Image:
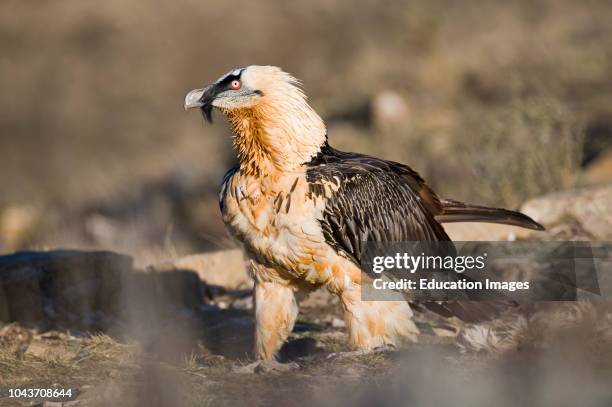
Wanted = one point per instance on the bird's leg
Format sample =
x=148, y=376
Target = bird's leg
x=275, y=312
x=373, y=324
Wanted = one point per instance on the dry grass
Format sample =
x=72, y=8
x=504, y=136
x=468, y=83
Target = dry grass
x=537, y=356
x=531, y=148
x=61, y=358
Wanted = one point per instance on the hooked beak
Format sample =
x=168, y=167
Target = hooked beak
x=201, y=98
x=194, y=98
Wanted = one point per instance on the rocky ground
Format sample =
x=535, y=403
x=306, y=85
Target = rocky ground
x=179, y=333
x=170, y=337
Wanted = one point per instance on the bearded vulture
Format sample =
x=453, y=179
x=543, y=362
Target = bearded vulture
x=303, y=210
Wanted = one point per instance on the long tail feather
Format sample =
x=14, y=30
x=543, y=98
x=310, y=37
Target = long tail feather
x=455, y=211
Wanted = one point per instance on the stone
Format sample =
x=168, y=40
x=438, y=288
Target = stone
x=225, y=268
x=266, y=366
x=591, y=207
x=5, y=314
x=42, y=287
x=480, y=231
x=45, y=349
x=88, y=290
x=22, y=295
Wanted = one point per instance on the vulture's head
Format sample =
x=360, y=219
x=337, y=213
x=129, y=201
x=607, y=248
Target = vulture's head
x=244, y=88
x=269, y=115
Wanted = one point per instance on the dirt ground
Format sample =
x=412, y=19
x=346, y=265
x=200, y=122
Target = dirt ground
x=119, y=336
x=316, y=362
x=317, y=367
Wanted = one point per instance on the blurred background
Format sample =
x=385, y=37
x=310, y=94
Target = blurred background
x=492, y=102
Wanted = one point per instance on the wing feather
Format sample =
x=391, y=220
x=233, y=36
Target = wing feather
x=374, y=200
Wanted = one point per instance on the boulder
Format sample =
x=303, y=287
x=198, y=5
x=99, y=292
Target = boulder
x=225, y=268
x=88, y=290
x=40, y=288
x=591, y=207
x=486, y=232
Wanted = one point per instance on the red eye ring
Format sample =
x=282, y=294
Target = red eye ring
x=235, y=84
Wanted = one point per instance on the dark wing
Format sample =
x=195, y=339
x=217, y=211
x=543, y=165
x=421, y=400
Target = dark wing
x=375, y=200
x=383, y=201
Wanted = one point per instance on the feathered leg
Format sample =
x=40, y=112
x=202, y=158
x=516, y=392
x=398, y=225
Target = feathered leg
x=372, y=324
x=275, y=312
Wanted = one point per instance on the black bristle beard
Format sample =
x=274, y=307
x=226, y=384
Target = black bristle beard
x=207, y=112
